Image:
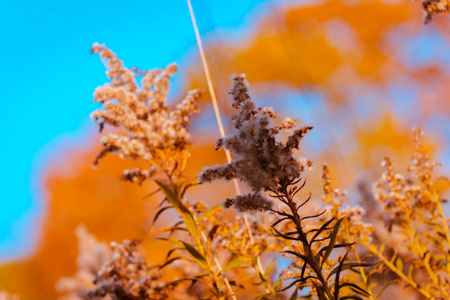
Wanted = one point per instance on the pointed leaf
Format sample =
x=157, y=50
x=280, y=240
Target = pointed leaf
x=270, y=268
x=169, y=262
x=196, y=254
x=354, y=297
x=210, y=212
x=177, y=242
x=399, y=264
x=188, y=217
x=235, y=262
x=321, y=229
x=332, y=241
x=385, y=287
x=356, y=288
x=347, y=266
x=165, y=229
x=172, y=251
x=294, y=295
x=158, y=214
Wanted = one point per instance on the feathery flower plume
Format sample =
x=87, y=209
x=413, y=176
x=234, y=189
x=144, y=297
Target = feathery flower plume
x=249, y=203
x=127, y=277
x=151, y=131
x=434, y=7
x=260, y=160
x=92, y=255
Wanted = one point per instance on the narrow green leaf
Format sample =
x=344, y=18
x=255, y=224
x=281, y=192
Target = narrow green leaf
x=294, y=295
x=347, y=266
x=368, y=280
x=235, y=262
x=399, y=264
x=352, y=297
x=262, y=277
x=278, y=284
x=270, y=268
x=174, y=249
x=188, y=217
x=332, y=241
x=320, y=292
x=211, y=234
x=157, y=215
x=177, y=242
x=385, y=287
x=321, y=229
x=356, y=288
x=169, y=262
x=210, y=212
x=170, y=229
x=197, y=255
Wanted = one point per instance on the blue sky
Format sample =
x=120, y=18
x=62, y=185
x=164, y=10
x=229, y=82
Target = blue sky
x=48, y=77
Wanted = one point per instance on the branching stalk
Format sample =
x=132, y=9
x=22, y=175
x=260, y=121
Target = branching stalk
x=221, y=128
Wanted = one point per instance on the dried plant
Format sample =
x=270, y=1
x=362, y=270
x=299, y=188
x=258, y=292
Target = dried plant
x=92, y=256
x=415, y=216
x=152, y=132
x=434, y=7
x=268, y=164
x=127, y=277
x=329, y=246
x=260, y=160
x=160, y=138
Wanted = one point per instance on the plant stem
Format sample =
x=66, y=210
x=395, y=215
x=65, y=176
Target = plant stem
x=221, y=127
x=373, y=249
x=219, y=267
x=312, y=261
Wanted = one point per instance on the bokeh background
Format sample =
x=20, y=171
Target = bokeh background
x=363, y=72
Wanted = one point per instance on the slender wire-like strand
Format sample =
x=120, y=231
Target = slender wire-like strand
x=210, y=85
x=214, y=101
x=219, y=118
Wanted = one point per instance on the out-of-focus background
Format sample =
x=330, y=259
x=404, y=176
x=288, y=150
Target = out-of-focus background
x=363, y=72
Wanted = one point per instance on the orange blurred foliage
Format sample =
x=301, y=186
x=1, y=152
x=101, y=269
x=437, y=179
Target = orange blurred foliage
x=339, y=48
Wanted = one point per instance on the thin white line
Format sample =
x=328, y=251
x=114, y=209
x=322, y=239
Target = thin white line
x=219, y=122
x=211, y=89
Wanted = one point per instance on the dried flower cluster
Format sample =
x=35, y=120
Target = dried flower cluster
x=353, y=228
x=234, y=238
x=434, y=7
x=127, y=277
x=260, y=160
x=92, y=255
x=414, y=216
x=152, y=132
x=249, y=203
